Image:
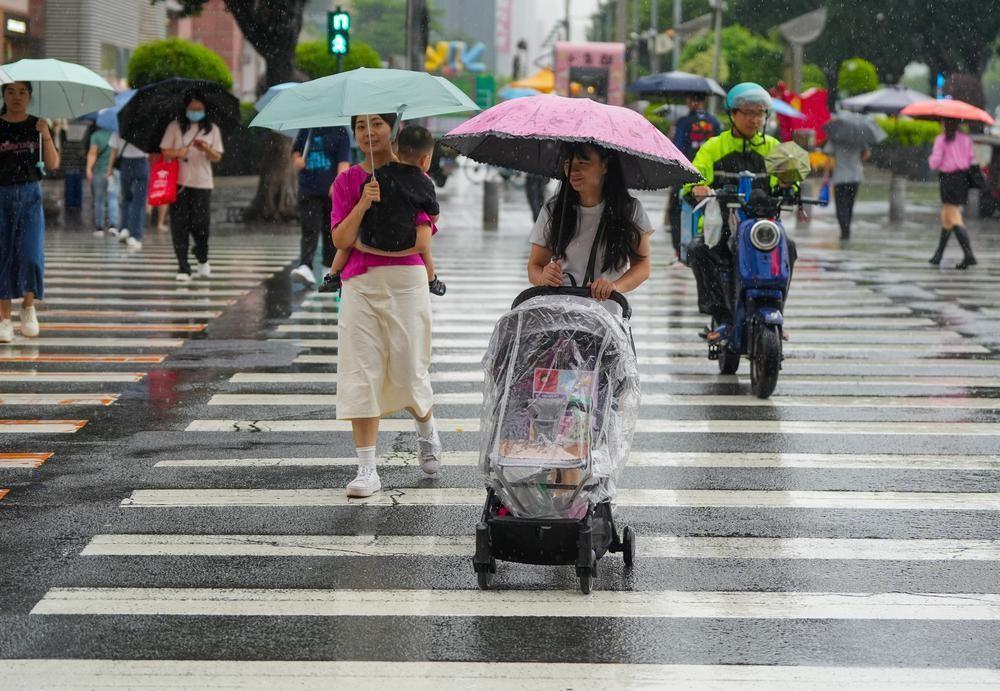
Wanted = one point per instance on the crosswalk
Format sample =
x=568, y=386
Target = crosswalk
x=846, y=531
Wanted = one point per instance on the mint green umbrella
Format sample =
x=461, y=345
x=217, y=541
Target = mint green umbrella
x=331, y=101
x=61, y=89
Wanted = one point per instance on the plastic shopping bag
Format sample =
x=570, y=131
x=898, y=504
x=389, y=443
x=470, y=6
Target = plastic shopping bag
x=163, y=182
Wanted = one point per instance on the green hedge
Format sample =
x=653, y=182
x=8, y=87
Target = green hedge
x=907, y=132
x=313, y=58
x=175, y=57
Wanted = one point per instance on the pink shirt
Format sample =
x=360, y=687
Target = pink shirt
x=346, y=193
x=952, y=156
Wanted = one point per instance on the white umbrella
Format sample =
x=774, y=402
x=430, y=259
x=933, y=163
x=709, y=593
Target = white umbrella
x=61, y=89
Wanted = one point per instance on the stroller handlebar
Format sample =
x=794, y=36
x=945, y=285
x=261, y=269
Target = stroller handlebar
x=574, y=291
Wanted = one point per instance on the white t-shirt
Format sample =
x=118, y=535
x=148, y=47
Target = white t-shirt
x=130, y=150
x=196, y=169
x=578, y=251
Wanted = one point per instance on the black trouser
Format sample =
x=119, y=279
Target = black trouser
x=844, y=195
x=674, y=217
x=314, y=219
x=191, y=215
x=708, y=264
x=534, y=189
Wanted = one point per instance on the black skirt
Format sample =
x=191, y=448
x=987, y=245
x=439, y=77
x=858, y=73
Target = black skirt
x=954, y=187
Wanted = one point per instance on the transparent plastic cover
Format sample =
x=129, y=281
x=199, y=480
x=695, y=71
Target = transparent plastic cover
x=560, y=403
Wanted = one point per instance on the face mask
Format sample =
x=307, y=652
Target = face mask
x=195, y=115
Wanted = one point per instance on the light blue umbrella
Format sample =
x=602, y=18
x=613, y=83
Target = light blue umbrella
x=107, y=118
x=509, y=92
x=269, y=96
x=782, y=108
x=61, y=89
x=331, y=101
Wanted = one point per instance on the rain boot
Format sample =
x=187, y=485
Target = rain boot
x=936, y=259
x=962, y=235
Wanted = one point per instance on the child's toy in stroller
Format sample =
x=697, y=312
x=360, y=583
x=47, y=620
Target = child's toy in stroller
x=559, y=409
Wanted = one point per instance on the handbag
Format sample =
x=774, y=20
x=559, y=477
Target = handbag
x=163, y=176
x=976, y=178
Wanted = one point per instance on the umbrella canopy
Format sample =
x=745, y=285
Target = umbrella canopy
x=677, y=83
x=889, y=100
x=530, y=134
x=5, y=78
x=61, y=89
x=144, y=119
x=853, y=130
x=509, y=92
x=788, y=162
x=269, y=96
x=782, y=108
x=940, y=109
x=332, y=100
x=107, y=118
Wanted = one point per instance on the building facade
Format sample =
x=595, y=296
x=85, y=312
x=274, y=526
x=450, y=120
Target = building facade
x=23, y=29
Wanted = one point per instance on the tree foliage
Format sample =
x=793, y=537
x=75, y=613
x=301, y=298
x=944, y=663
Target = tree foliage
x=175, y=57
x=813, y=76
x=856, y=76
x=750, y=57
x=313, y=58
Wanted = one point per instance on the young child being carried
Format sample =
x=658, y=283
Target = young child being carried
x=390, y=225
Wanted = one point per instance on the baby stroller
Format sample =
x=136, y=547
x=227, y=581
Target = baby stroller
x=560, y=405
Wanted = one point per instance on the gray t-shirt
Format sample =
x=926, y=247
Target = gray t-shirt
x=578, y=250
x=848, y=168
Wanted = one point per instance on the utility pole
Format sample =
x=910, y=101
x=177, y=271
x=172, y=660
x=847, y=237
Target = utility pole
x=416, y=32
x=717, y=6
x=621, y=20
x=567, y=20
x=634, y=40
x=654, y=30
x=677, y=35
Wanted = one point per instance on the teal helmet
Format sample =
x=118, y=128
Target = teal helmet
x=748, y=94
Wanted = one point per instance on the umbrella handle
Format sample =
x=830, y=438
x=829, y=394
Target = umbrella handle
x=305, y=149
x=41, y=160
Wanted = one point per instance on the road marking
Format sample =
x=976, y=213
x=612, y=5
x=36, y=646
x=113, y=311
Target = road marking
x=482, y=676
x=517, y=603
x=117, y=359
x=66, y=342
x=644, y=426
x=128, y=314
x=24, y=460
x=648, y=546
x=133, y=302
x=180, y=291
x=39, y=376
x=655, y=399
x=768, y=499
x=657, y=459
x=41, y=426
x=104, y=399
x=82, y=326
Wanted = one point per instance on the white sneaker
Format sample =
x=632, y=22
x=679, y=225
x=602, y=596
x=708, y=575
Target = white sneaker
x=113, y=232
x=183, y=278
x=29, y=322
x=429, y=453
x=6, y=331
x=304, y=274
x=133, y=244
x=366, y=483
x=99, y=233
x=205, y=270
x=123, y=235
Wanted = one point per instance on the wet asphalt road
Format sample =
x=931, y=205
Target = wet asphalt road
x=175, y=482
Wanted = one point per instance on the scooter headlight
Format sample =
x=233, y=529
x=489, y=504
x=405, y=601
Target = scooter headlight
x=765, y=235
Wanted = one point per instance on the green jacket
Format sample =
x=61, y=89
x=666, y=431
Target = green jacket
x=730, y=154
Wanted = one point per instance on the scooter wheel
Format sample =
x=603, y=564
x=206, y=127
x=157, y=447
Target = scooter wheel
x=628, y=547
x=766, y=362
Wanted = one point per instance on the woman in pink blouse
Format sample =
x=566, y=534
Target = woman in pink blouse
x=952, y=157
x=384, y=329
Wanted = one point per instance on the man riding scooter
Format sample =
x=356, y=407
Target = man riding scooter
x=720, y=160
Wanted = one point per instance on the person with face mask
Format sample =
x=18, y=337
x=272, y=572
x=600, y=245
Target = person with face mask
x=720, y=160
x=197, y=142
x=22, y=223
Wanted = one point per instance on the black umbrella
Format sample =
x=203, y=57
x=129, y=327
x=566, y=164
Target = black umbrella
x=853, y=130
x=676, y=83
x=145, y=117
x=889, y=100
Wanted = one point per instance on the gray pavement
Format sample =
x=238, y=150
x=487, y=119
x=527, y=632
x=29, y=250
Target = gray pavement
x=174, y=513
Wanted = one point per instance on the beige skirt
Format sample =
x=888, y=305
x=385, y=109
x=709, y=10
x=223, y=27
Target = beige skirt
x=384, y=343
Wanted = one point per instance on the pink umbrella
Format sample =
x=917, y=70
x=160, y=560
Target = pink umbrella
x=947, y=108
x=531, y=134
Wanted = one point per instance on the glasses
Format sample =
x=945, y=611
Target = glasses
x=753, y=114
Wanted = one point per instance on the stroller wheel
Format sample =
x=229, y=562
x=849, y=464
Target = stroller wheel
x=628, y=546
x=484, y=575
x=587, y=574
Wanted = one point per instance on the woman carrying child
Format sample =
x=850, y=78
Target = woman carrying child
x=593, y=222
x=384, y=330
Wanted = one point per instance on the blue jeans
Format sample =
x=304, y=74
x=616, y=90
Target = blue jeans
x=135, y=181
x=105, y=192
x=22, y=241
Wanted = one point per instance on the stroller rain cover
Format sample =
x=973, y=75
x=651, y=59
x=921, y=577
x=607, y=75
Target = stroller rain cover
x=560, y=403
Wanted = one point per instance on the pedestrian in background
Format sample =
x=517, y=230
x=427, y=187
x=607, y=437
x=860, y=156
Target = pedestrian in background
x=134, y=177
x=320, y=155
x=844, y=170
x=690, y=132
x=534, y=190
x=104, y=182
x=952, y=157
x=22, y=222
x=197, y=142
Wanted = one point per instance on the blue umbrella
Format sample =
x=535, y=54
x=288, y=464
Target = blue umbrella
x=509, y=92
x=782, y=108
x=269, y=96
x=107, y=118
x=678, y=83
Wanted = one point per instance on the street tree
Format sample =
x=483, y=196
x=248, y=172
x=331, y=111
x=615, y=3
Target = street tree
x=175, y=57
x=313, y=58
x=272, y=27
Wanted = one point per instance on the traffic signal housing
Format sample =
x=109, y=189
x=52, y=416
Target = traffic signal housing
x=338, y=32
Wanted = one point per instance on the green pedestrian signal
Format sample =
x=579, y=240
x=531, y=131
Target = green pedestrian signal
x=338, y=32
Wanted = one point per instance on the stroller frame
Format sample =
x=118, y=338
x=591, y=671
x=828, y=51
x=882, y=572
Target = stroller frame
x=551, y=541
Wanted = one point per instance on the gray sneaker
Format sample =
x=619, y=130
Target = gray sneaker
x=429, y=453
